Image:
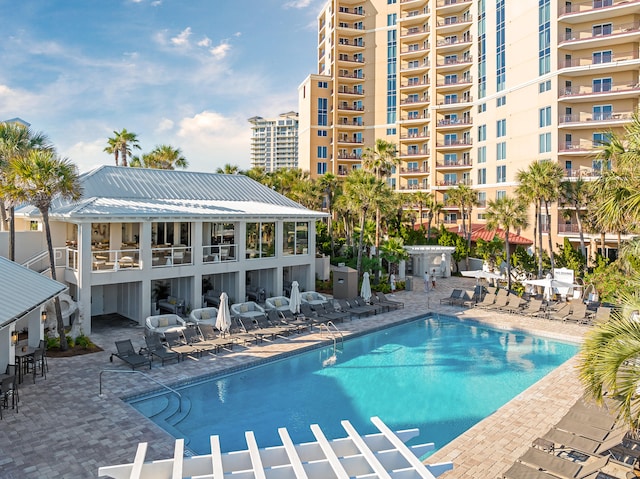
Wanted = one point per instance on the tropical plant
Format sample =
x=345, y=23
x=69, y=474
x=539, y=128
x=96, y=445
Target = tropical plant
x=16, y=140
x=508, y=213
x=576, y=194
x=465, y=199
x=162, y=157
x=228, y=169
x=393, y=252
x=122, y=142
x=491, y=252
x=447, y=238
x=569, y=257
x=37, y=178
x=329, y=186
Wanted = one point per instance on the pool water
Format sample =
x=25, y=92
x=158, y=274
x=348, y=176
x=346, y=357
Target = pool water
x=438, y=374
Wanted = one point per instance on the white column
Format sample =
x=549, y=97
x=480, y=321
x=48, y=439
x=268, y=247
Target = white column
x=146, y=259
x=85, y=266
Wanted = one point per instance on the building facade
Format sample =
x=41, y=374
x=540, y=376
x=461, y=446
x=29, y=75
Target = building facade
x=274, y=142
x=471, y=91
x=137, y=231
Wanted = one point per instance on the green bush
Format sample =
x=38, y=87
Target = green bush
x=53, y=342
x=83, y=341
x=70, y=341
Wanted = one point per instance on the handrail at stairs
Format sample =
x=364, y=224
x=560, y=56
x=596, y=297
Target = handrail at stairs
x=146, y=376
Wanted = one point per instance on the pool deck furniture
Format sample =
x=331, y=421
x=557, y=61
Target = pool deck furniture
x=172, y=304
x=203, y=315
x=163, y=323
x=177, y=344
x=391, y=302
x=212, y=298
x=247, y=310
x=127, y=353
x=456, y=294
x=279, y=303
x=256, y=293
x=155, y=348
x=313, y=297
x=566, y=463
x=209, y=335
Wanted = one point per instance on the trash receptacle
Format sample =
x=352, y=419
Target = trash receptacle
x=408, y=284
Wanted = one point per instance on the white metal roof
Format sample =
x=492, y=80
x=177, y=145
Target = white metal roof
x=135, y=192
x=380, y=455
x=23, y=290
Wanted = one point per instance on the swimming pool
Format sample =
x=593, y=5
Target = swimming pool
x=440, y=374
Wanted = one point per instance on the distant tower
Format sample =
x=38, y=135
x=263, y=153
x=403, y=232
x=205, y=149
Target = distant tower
x=274, y=141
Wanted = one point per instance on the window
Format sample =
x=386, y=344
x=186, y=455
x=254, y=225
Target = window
x=501, y=101
x=501, y=128
x=605, y=56
x=603, y=29
x=450, y=218
x=545, y=117
x=544, y=86
x=482, y=107
x=602, y=112
x=322, y=152
x=260, y=240
x=451, y=99
x=501, y=194
x=413, y=184
x=482, y=132
x=451, y=179
x=501, y=151
x=295, y=238
x=601, y=84
x=451, y=139
x=322, y=84
x=322, y=132
x=544, y=143
x=391, y=131
x=599, y=139
x=391, y=2
x=482, y=199
x=322, y=168
x=450, y=79
x=450, y=159
x=482, y=176
x=482, y=154
x=501, y=174
x=322, y=112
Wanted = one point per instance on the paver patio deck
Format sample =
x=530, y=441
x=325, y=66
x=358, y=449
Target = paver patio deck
x=65, y=429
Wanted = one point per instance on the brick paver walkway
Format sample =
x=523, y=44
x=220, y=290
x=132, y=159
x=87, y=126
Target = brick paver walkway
x=65, y=429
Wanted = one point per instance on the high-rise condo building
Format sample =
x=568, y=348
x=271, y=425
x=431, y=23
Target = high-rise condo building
x=471, y=92
x=274, y=141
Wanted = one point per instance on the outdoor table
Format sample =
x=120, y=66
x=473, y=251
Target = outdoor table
x=22, y=358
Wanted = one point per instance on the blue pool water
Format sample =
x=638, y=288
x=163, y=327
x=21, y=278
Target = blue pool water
x=440, y=375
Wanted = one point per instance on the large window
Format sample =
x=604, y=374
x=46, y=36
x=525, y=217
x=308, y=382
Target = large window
x=544, y=143
x=295, y=238
x=545, y=117
x=322, y=112
x=501, y=128
x=501, y=174
x=260, y=240
x=501, y=151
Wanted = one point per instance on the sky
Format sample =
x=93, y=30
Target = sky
x=186, y=73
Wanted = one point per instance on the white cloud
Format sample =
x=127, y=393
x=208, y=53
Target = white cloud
x=220, y=51
x=205, y=42
x=88, y=155
x=164, y=125
x=297, y=4
x=210, y=139
x=182, y=39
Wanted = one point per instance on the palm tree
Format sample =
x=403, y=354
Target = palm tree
x=465, y=199
x=363, y=191
x=329, y=186
x=123, y=141
x=228, y=169
x=162, y=157
x=508, y=213
x=576, y=195
x=257, y=173
x=380, y=160
x=37, y=178
x=423, y=201
x=16, y=140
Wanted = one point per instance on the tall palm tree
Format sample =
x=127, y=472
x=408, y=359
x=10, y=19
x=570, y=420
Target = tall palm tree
x=465, y=199
x=123, y=141
x=37, y=178
x=228, y=169
x=508, y=213
x=162, y=157
x=380, y=160
x=363, y=191
x=16, y=140
x=329, y=185
x=576, y=194
x=423, y=201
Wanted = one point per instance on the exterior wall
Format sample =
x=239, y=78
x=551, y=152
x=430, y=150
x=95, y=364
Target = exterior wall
x=591, y=86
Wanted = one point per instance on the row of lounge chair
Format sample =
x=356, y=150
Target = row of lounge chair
x=588, y=442
x=572, y=312
x=201, y=338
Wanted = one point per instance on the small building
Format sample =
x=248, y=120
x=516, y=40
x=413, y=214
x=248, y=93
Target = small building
x=137, y=231
x=25, y=293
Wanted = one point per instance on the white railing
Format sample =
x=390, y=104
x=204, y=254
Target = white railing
x=219, y=253
x=115, y=260
x=171, y=256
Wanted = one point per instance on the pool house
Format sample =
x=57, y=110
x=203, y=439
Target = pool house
x=139, y=235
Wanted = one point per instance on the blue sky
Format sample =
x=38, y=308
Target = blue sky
x=184, y=73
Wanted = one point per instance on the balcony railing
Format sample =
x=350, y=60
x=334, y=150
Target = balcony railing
x=417, y=170
x=458, y=121
x=446, y=3
x=350, y=108
x=584, y=172
x=115, y=260
x=592, y=5
x=351, y=11
x=350, y=91
x=350, y=43
x=357, y=76
x=455, y=61
x=416, y=136
x=219, y=253
x=352, y=156
x=454, y=164
x=568, y=228
x=599, y=117
x=461, y=181
x=606, y=89
x=171, y=256
x=454, y=20
x=411, y=101
x=454, y=82
x=447, y=143
x=589, y=34
x=415, y=187
x=600, y=59
x=455, y=40
x=353, y=59
x=577, y=146
x=415, y=152
x=414, y=31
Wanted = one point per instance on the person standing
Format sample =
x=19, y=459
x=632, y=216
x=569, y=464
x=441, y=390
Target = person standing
x=392, y=282
x=426, y=281
x=433, y=279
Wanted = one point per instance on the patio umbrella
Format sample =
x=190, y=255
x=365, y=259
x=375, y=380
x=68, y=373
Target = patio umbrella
x=550, y=284
x=479, y=274
x=223, y=321
x=365, y=290
x=295, y=299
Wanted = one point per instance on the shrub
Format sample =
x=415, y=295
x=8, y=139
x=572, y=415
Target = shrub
x=83, y=341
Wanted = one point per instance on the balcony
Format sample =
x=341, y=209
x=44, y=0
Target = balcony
x=604, y=62
x=412, y=85
x=415, y=101
x=350, y=26
x=220, y=253
x=411, y=52
x=580, y=147
x=350, y=108
x=343, y=90
x=454, y=63
x=351, y=11
x=347, y=156
x=415, y=136
x=355, y=123
x=350, y=43
x=414, y=153
x=567, y=228
x=446, y=6
x=588, y=93
x=415, y=186
x=449, y=183
x=582, y=172
x=415, y=67
x=454, y=165
x=455, y=82
x=458, y=122
x=464, y=143
x=454, y=23
x=351, y=75
x=414, y=16
x=343, y=58
x=415, y=33
x=456, y=102
x=604, y=36
x=415, y=118
x=591, y=10
x=594, y=120
x=457, y=43
x=171, y=256
x=354, y=141
x=414, y=171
